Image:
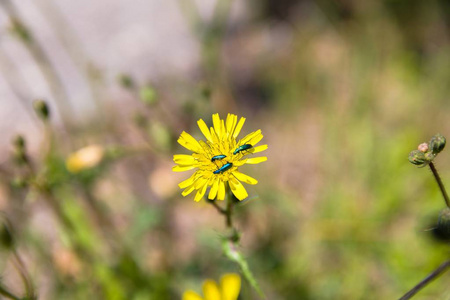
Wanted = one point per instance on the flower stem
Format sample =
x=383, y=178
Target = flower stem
x=219, y=209
x=441, y=185
x=20, y=266
x=436, y=273
x=7, y=294
x=229, y=209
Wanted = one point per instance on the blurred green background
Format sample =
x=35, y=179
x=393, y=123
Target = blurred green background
x=342, y=90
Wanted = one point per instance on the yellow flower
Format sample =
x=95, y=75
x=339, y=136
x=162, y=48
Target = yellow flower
x=85, y=158
x=230, y=285
x=218, y=158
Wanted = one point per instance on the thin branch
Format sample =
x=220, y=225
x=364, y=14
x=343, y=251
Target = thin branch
x=435, y=274
x=23, y=272
x=441, y=185
x=7, y=294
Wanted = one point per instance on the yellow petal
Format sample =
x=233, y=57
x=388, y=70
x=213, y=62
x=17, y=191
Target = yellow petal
x=187, y=141
x=245, y=178
x=221, y=191
x=200, y=182
x=191, y=295
x=183, y=159
x=255, y=140
x=249, y=137
x=201, y=193
x=238, y=128
x=211, y=290
x=240, y=162
x=256, y=160
x=259, y=148
x=188, y=190
x=187, y=182
x=230, y=286
x=206, y=148
x=204, y=129
x=214, y=189
x=231, y=123
x=216, y=124
x=237, y=188
x=214, y=135
x=182, y=168
x=222, y=129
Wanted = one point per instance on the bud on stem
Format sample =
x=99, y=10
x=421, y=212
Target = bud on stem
x=41, y=109
x=437, y=143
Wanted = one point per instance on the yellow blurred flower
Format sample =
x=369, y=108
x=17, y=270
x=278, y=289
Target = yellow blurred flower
x=230, y=285
x=85, y=158
x=218, y=158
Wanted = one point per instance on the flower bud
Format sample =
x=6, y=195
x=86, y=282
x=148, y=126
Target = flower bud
x=148, y=95
x=442, y=231
x=19, y=150
x=206, y=92
x=161, y=135
x=437, y=143
x=6, y=237
x=19, y=142
x=41, y=109
x=17, y=27
x=18, y=182
x=126, y=81
x=429, y=156
x=418, y=158
x=140, y=120
x=423, y=147
x=85, y=158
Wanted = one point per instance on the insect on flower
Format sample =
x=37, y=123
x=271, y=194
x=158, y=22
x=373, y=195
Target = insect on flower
x=207, y=157
x=223, y=168
x=242, y=148
x=218, y=157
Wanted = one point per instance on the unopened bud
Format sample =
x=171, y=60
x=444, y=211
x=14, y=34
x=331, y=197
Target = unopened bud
x=41, y=109
x=161, y=135
x=140, y=120
x=423, y=147
x=126, y=81
x=442, y=231
x=147, y=95
x=437, y=143
x=19, y=182
x=19, y=150
x=206, y=92
x=418, y=158
x=429, y=156
x=20, y=30
x=6, y=237
x=19, y=142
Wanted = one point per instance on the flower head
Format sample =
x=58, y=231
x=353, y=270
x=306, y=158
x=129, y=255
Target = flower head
x=85, y=158
x=230, y=285
x=218, y=158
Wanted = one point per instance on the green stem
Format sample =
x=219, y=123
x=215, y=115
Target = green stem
x=441, y=185
x=436, y=273
x=20, y=266
x=219, y=209
x=7, y=294
x=229, y=209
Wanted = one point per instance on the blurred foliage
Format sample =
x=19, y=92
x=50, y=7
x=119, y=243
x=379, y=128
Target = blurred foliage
x=342, y=90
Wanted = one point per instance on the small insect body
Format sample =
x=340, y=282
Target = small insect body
x=224, y=168
x=218, y=157
x=242, y=148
